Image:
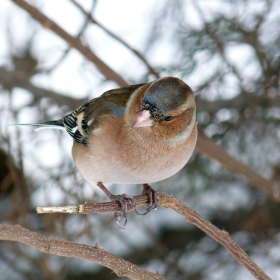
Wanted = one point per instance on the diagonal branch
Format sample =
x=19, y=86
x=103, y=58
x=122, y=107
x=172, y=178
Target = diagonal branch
x=169, y=201
x=117, y=38
x=73, y=42
x=80, y=33
x=211, y=149
x=65, y=248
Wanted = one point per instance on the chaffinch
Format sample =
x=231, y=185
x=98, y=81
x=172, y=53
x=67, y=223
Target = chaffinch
x=142, y=133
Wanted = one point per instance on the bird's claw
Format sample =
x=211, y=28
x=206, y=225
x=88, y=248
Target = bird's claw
x=117, y=219
x=153, y=199
x=127, y=203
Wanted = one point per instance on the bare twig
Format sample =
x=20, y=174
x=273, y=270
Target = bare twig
x=91, y=207
x=169, y=201
x=73, y=42
x=117, y=38
x=65, y=248
x=66, y=52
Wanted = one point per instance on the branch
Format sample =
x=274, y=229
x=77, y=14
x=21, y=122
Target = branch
x=211, y=149
x=80, y=33
x=11, y=79
x=65, y=248
x=169, y=201
x=72, y=41
x=117, y=38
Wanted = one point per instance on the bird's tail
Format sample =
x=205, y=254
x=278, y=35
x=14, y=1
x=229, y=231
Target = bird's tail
x=58, y=124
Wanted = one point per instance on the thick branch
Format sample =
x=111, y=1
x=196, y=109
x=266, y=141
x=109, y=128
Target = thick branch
x=209, y=148
x=73, y=250
x=73, y=42
x=169, y=201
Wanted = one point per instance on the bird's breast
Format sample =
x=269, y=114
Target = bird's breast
x=118, y=154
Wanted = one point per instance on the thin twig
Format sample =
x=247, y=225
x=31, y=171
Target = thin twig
x=169, y=201
x=78, y=36
x=117, y=38
x=72, y=41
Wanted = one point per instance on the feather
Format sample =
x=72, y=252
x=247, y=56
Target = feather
x=58, y=124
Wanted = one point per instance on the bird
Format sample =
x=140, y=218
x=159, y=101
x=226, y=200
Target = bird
x=138, y=134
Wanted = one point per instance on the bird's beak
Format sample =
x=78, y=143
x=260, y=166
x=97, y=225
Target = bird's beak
x=143, y=118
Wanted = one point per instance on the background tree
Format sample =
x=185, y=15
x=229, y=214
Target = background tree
x=227, y=51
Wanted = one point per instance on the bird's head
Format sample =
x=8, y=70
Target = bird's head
x=165, y=107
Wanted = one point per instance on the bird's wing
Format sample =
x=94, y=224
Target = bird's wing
x=87, y=117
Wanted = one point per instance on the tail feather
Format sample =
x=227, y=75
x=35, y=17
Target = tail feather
x=58, y=124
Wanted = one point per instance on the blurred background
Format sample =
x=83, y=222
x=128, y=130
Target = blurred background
x=227, y=51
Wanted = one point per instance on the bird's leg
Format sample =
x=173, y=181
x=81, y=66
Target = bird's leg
x=153, y=199
x=127, y=203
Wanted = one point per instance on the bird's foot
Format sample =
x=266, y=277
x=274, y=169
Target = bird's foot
x=127, y=203
x=153, y=199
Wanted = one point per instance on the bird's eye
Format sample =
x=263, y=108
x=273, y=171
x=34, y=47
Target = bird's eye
x=169, y=118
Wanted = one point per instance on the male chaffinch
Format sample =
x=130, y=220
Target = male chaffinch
x=137, y=134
